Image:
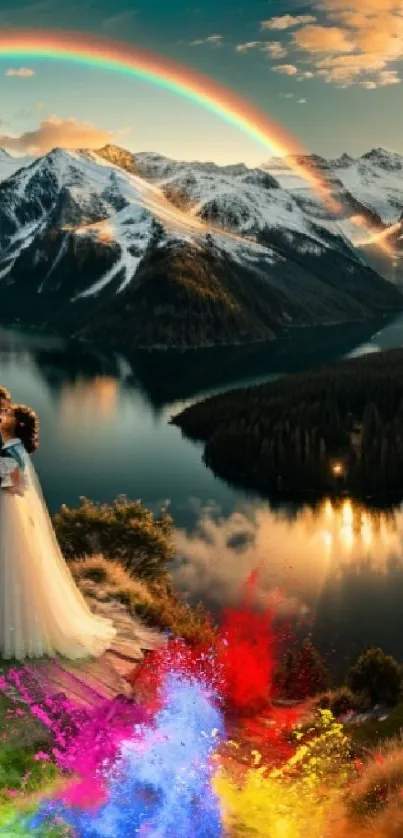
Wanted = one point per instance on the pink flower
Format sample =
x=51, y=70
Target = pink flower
x=42, y=756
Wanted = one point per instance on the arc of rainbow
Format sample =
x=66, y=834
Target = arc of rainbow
x=381, y=238
x=117, y=56
x=86, y=49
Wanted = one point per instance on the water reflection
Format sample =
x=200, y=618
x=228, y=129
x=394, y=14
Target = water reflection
x=338, y=565
x=104, y=432
x=91, y=401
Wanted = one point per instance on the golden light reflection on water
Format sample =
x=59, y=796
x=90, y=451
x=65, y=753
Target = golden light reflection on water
x=86, y=400
x=353, y=527
x=297, y=556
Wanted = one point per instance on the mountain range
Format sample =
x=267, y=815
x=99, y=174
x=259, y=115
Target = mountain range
x=137, y=250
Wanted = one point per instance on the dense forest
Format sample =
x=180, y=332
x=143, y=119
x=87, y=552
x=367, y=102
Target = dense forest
x=339, y=427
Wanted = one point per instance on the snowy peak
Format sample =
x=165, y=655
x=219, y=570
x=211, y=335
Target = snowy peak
x=390, y=161
x=10, y=164
x=151, y=251
x=118, y=157
x=341, y=162
x=373, y=183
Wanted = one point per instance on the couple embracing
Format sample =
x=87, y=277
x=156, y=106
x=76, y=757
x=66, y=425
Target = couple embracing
x=42, y=612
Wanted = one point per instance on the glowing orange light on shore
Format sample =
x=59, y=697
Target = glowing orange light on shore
x=337, y=469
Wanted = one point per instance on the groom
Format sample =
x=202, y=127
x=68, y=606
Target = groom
x=5, y=404
x=5, y=399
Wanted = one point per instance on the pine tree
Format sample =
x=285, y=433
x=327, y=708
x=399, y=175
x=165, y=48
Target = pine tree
x=310, y=676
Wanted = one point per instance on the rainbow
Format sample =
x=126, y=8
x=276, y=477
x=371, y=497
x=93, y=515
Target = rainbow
x=85, y=49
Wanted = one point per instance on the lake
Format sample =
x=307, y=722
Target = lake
x=105, y=431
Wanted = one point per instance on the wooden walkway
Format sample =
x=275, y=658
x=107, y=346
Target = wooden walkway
x=90, y=683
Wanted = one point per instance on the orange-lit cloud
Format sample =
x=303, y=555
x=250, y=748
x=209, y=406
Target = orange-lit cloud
x=53, y=132
x=248, y=45
x=286, y=21
x=274, y=49
x=356, y=42
x=286, y=69
x=20, y=72
x=323, y=39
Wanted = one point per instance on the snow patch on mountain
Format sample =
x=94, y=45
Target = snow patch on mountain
x=9, y=164
x=375, y=179
x=128, y=204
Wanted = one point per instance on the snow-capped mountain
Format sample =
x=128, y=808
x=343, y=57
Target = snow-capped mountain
x=10, y=164
x=374, y=181
x=142, y=250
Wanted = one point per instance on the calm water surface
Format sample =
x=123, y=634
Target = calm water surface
x=105, y=431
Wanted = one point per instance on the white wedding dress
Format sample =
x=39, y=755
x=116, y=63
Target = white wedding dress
x=42, y=612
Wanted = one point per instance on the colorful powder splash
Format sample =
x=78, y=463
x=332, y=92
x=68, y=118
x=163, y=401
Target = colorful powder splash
x=170, y=766
x=160, y=783
x=239, y=666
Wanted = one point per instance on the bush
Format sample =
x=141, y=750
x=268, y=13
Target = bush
x=112, y=577
x=154, y=603
x=379, y=787
x=192, y=624
x=377, y=675
x=372, y=805
x=343, y=700
x=303, y=673
x=123, y=531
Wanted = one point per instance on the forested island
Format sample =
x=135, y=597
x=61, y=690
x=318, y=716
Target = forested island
x=337, y=428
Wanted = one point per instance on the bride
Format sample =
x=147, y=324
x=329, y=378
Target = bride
x=42, y=612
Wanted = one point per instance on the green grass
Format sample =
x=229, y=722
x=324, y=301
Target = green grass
x=21, y=738
x=371, y=732
x=152, y=602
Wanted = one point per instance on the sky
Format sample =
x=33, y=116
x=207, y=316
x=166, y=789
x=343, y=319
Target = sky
x=328, y=71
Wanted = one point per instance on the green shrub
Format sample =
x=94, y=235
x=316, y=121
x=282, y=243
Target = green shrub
x=302, y=673
x=377, y=675
x=342, y=700
x=153, y=602
x=123, y=531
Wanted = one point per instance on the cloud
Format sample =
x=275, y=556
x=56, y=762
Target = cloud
x=357, y=42
x=286, y=69
x=306, y=76
x=388, y=77
x=322, y=40
x=302, y=557
x=286, y=21
x=274, y=49
x=21, y=72
x=53, y=132
x=247, y=46
x=214, y=40
x=301, y=102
